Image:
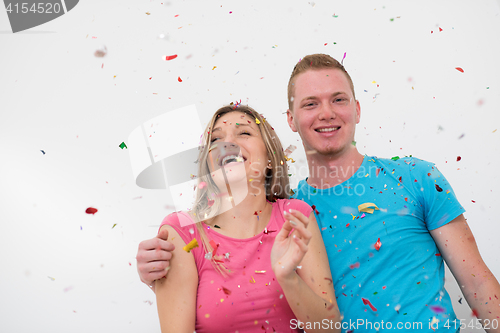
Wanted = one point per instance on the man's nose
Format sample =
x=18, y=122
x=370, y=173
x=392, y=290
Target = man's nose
x=327, y=111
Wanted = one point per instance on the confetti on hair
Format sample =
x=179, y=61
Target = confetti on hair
x=439, y=189
x=191, y=245
x=367, y=302
x=91, y=210
x=459, y=69
x=123, y=145
x=257, y=121
x=171, y=57
x=202, y=185
x=210, y=202
x=215, y=246
x=366, y=207
x=378, y=244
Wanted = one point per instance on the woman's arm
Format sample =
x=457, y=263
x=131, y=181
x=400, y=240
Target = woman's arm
x=176, y=294
x=301, y=266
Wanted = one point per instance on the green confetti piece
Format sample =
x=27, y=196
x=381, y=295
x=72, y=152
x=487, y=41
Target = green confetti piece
x=375, y=293
x=123, y=145
x=114, y=225
x=335, y=15
x=395, y=158
x=353, y=143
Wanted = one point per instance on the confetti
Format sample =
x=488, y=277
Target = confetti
x=179, y=79
x=148, y=13
x=53, y=279
x=172, y=57
x=123, y=145
x=252, y=280
x=365, y=208
x=202, y=185
x=437, y=309
x=114, y=225
x=395, y=158
x=439, y=189
x=210, y=202
x=459, y=158
x=215, y=246
x=475, y=313
x=191, y=245
x=257, y=121
x=91, y=210
x=459, y=69
x=342, y=62
x=226, y=291
x=367, y=302
x=101, y=52
x=378, y=244
x=290, y=149
x=42, y=152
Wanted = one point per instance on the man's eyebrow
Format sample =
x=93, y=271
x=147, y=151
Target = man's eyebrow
x=335, y=94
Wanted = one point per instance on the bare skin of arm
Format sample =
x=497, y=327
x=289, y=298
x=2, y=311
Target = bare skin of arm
x=176, y=295
x=308, y=289
x=480, y=288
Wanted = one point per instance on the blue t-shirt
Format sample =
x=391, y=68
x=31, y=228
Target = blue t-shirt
x=385, y=264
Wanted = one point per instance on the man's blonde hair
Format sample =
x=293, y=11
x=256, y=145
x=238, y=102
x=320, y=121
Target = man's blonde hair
x=314, y=62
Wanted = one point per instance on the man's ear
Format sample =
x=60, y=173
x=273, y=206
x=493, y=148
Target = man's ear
x=289, y=118
x=358, y=112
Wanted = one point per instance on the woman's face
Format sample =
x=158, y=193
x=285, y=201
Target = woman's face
x=237, y=150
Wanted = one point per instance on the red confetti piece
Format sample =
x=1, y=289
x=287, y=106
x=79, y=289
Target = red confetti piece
x=172, y=57
x=459, y=69
x=473, y=201
x=459, y=158
x=226, y=291
x=315, y=210
x=347, y=225
x=439, y=189
x=400, y=179
x=202, y=185
x=475, y=313
x=210, y=202
x=377, y=172
x=438, y=254
x=215, y=246
x=440, y=29
x=378, y=244
x=179, y=79
x=91, y=210
x=255, y=213
x=353, y=266
x=367, y=302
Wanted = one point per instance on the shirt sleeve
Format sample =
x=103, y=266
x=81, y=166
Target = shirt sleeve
x=176, y=221
x=299, y=205
x=435, y=194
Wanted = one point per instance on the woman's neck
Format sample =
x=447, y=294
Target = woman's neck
x=243, y=218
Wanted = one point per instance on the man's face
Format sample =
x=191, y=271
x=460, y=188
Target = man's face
x=324, y=113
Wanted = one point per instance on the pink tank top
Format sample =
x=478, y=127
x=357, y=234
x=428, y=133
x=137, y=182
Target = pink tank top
x=249, y=299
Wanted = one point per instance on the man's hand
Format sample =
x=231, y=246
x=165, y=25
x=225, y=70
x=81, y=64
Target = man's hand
x=153, y=258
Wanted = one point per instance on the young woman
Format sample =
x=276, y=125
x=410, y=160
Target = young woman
x=261, y=264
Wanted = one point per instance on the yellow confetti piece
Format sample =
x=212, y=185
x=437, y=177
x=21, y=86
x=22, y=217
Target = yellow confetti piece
x=192, y=244
x=207, y=315
x=252, y=280
x=148, y=13
x=214, y=67
x=365, y=208
x=288, y=159
x=260, y=272
x=353, y=217
x=250, y=180
x=257, y=121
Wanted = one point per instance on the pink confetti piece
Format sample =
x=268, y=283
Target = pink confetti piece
x=342, y=62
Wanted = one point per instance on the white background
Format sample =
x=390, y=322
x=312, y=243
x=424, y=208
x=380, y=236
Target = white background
x=63, y=270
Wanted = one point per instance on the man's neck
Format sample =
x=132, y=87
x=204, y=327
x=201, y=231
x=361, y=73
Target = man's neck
x=330, y=170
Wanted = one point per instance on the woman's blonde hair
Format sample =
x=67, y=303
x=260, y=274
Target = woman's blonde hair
x=208, y=202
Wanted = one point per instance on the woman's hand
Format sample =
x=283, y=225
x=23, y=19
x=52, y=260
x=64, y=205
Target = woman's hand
x=290, y=247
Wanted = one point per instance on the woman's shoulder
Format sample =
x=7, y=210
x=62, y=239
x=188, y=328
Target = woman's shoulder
x=295, y=204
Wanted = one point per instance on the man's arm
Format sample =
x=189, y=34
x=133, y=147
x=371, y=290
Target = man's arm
x=480, y=288
x=176, y=295
x=153, y=258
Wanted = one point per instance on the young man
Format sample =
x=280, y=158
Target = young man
x=387, y=224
